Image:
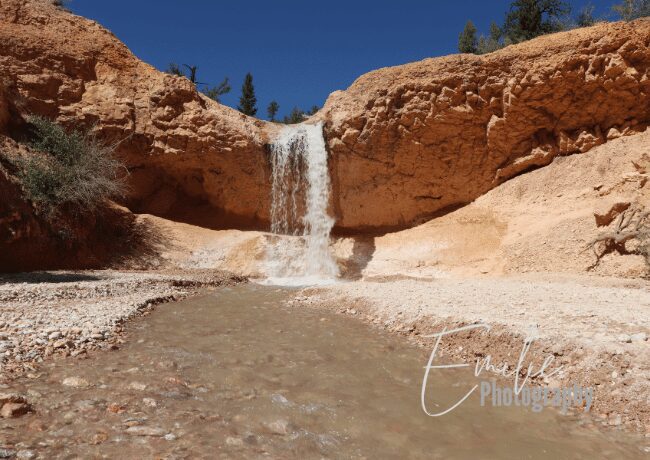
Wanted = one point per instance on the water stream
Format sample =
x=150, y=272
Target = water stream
x=299, y=208
x=236, y=373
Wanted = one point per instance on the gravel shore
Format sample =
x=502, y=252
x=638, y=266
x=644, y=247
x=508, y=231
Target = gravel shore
x=70, y=313
x=596, y=328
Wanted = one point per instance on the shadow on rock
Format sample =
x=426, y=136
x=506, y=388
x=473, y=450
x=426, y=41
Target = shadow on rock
x=363, y=249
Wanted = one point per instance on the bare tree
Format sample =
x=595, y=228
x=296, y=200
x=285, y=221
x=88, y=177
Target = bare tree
x=632, y=224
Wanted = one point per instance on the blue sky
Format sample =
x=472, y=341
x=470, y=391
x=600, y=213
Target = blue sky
x=298, y=51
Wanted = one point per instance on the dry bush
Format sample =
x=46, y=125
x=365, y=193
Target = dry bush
x=72, y=168
x=631, y=226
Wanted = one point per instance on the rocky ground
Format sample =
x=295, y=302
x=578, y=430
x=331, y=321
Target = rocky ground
x=596, y=328
x=71, y=313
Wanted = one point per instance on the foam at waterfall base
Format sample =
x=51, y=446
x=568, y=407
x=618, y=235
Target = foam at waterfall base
x=296, y=281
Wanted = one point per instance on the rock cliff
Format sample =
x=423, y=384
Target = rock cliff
x=419, y=139
x=406, y=142
x=181, y=148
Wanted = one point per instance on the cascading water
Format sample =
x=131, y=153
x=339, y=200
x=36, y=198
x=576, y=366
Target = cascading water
x=299, y=200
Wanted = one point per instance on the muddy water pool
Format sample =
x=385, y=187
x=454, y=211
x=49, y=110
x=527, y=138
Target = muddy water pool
x=235, y=373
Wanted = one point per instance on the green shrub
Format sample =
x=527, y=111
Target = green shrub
x=629, y=10
x=73, y=168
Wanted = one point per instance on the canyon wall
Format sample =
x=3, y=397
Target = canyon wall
x=182, y=149
x=412, y=141
x=406, y=142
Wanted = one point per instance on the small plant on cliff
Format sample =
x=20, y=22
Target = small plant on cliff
x=629, y=10
x=63, y=4
x=467, y=41
x=216, y=92
x=73, y=168
x=248, y=100
x=175, y=69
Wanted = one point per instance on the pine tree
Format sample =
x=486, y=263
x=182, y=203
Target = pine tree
x=586, y=16
x=528, y=19
x=632, y=9
x=295, y=116
x=491, y=43
x=467, y=42
x=248, y=100
x=495, y=32
x=272, y=110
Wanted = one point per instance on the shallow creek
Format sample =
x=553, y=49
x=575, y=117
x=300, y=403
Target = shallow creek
x=236, y=374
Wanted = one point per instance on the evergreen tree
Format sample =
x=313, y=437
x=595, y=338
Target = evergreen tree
x=528, y=19
x=296, y=116
x=632, y=9
x=585, y=17
x=216, y=92
x=495, y=32
x=491, y=43
x=467, y=42
x=248, y=100
x=272, y=110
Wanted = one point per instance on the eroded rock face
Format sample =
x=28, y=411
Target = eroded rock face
x=406, y=142
x=410, y=141
x=183, y=150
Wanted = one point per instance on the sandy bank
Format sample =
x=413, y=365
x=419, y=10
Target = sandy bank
x=596, y=328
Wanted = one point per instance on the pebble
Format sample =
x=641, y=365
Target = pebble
x=639, y=337
x=234, y=442
x=170, y=437
x=26, y=454
x=11, y=397
x=615, y=420
x=116, y=408
x=60, y=343
x=149, y=402
x=138, y=386
x=14, y=409
x=145, y=431
x=167, y=364
x=76, y=382
x=7, y=453
x=55, y=335
x=279, y=399
x=625, y=338
x=278, y=427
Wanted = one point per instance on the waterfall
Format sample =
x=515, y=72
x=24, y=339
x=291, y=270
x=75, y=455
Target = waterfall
x=299, y=200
